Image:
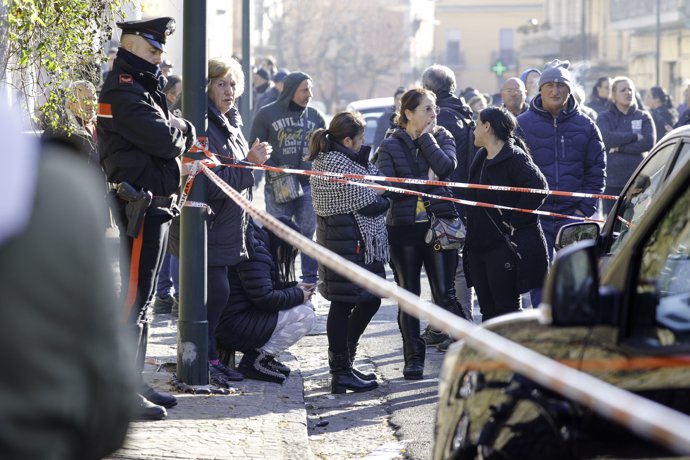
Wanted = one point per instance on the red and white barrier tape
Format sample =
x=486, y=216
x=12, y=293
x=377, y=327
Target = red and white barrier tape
x=644, y=417
x=402, y=180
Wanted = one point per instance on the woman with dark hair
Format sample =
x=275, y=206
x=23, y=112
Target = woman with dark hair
x=267, y=311
x=661, y=107
x=419, y=149
x=350, y=222
x=600, y=99
x=628, y=133
x=505, y=251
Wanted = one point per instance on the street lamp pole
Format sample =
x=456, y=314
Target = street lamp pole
x=658, y=42
x=192, y=327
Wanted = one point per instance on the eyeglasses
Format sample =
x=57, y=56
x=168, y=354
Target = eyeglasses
x=512, y=91
x=429, y=109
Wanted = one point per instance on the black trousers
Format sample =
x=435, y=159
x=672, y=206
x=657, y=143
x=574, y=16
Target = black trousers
x=440, y=268
x=494, y=277
x=140, y=262
x=346, y=323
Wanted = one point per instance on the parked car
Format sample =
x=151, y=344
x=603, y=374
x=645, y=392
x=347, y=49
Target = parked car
x=371, y=110
x=661, y=165
x=627, y=324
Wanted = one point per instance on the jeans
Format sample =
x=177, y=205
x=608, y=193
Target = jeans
x=169, y=277
x=301, y=211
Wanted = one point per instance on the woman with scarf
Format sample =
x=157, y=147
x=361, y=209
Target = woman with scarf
x=228, y=220
x=350, y=222
x=505, y=251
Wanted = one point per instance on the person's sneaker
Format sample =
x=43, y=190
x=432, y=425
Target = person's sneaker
x=163, y=304
x=156, y=397
x=217, y=378
x=432, y=337
x=146, y=410
x=277, y=365
x=230, y=374
x=254, y=365
x=175, y=309
x=443, y=346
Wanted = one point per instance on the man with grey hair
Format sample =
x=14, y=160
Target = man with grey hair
x=513, y=94
x=456, y=116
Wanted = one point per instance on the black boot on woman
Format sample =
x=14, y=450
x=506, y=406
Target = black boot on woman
x=342, y=377
x=368, y=376
x=414, y=348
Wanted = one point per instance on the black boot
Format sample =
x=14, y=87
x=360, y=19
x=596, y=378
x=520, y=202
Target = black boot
x=414, y=348
x=368, y=376
x=342, y=377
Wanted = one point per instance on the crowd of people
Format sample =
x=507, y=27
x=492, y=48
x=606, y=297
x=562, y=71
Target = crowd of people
x=540, y=133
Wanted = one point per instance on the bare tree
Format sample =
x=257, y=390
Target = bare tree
x=345, y=46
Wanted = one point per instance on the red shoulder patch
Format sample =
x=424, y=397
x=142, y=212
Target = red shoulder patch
x=126, y=79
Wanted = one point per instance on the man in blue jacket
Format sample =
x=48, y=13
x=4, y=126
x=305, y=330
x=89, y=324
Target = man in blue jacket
x=567, y=147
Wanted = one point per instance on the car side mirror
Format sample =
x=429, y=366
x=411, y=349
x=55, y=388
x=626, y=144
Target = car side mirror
x=571, y=291
x=578, y=231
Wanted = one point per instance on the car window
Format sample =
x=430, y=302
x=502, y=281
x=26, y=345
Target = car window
x=637, y=198
x=662, y=304
x=682, y=158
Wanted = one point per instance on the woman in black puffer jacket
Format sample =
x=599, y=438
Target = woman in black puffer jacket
x=505, y=251
x=350, y=222
x=267, y=311
x=419, y=149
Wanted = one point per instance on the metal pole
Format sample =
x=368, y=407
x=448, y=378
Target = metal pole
x=658, y=42
x=192, y=327
x=246, y=99
x=584, y=31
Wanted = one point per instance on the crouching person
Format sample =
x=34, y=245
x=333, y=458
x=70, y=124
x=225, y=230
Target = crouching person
x=267, y=311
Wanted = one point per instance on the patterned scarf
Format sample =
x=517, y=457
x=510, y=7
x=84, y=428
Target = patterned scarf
x=333, y=198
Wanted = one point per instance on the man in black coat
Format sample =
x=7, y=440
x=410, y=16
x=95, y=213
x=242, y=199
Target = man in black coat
x=140, y=143
x=456, y=117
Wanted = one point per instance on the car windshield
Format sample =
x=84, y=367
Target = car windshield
x=638, y=196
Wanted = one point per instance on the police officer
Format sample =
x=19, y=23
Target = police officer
x=140, y=143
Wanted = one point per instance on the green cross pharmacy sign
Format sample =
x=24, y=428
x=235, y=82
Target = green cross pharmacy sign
x=499, y=68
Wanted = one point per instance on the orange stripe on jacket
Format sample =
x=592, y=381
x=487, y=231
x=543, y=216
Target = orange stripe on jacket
x=105, y=110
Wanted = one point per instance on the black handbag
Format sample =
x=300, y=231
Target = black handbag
x=445, y=233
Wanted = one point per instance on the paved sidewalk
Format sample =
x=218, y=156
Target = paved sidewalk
x=260, y=420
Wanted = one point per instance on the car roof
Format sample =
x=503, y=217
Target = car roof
x=370, y=105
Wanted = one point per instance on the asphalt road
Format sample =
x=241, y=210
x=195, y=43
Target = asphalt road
x=394, y=421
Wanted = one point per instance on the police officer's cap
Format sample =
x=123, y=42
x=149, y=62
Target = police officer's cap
x=155, y=31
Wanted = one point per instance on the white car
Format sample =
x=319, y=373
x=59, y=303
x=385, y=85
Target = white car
x=371, y=110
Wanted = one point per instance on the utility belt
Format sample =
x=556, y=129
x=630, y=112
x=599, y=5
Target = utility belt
x=137, y=204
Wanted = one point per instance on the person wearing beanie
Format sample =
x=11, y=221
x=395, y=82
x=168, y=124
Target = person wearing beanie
x=530, y=78
x=261, y=86
x=274, y=90
x=287, y=125
x=567, y=147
